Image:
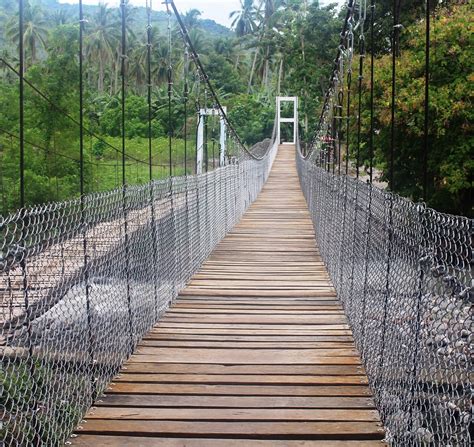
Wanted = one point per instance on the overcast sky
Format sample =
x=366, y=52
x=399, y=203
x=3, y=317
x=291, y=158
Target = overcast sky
x=217, y=10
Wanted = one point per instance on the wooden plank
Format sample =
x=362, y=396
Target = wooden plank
x=250, y=304
x=327, y=292
x=265, y=312
x=255, y=319
x=307, y=328
x=131, y=441
x=229, y=414
x=233, y=359
x=217, y=401
x=247, y=356
x=289, y=331
x=242, y=308
x=242, y=344
x=239, y=390
x=311, y=430
x=242, y=379
x=185, y=368
x=249, y=338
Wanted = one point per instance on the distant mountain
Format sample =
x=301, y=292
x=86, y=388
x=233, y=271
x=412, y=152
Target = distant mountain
x=215, y=28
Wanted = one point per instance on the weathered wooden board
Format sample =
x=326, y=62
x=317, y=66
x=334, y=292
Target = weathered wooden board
x=132, y=441
x=272, y=430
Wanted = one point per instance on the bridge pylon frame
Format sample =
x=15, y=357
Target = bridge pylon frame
x=200, y=136
x=291, y=120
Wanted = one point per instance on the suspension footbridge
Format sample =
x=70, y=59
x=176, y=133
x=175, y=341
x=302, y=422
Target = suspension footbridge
x=269, y=300
x=255, y=346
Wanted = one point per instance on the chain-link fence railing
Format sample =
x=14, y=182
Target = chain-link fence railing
x=404, y=275
x=82, y=281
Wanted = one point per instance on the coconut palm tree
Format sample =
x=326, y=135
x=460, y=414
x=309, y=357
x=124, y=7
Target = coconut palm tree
x=198, y=40
x=102, y=38
x=244, y=19
x=137, y=65
x=5, y=73
x=160, y=63
x=226, y=47
x=191, y=18
x=129, y=17
x=59, y=17
x=35, y=31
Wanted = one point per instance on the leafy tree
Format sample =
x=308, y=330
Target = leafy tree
x=102, y=37
x=308, y=46
x=252, y=117
x=136, y=118
x=59, y=17
x=244, y=19
x=191, y=18
x=34, y=30
x=450, y=164
x=224, y=75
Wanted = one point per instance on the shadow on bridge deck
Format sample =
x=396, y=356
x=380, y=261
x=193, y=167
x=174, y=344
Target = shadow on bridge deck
x=256, y=351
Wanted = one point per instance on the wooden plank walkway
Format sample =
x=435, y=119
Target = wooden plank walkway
x=256, y=351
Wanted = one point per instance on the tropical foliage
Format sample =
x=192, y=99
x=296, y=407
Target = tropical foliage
x=450, y=143
x=275, y=47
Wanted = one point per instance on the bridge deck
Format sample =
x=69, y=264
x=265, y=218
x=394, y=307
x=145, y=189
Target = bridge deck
x=256, y=351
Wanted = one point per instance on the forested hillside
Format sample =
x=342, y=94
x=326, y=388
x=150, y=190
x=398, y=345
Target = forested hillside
x=275, y=47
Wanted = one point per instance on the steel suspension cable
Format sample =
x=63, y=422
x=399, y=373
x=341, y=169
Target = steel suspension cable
x=170, y=94
x=23, y=266
x=185, y=105
x=390, y=230
x=149, y=6
x=149, y=86
x=339, y=118
x=395, y=36
x=359, y=104
x=123, y=57
x=197, y=106
x=81, y=98
x=350, y=53
x=371, y=134
x=348, y=122
x=90, y=336
x=21, y=80
x=327, y=97
x=426, y=101
x=206, y=129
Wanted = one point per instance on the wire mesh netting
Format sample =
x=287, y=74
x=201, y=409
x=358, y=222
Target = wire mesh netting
x=404, y=275
x=83, y=280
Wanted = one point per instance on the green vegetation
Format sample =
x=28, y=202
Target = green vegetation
x=450, y=162
x=276, y=47
x=48, y=422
